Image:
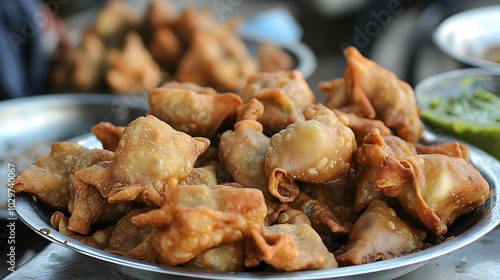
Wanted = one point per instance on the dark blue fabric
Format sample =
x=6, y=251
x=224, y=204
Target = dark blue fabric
x=23, y=65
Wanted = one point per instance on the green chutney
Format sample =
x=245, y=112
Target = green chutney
x=473, y=117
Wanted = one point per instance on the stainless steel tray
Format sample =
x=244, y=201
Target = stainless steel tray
x=30, y=125
x=33, y=120
x=466, y=230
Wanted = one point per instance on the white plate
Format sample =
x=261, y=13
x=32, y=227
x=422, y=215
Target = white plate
x=466, y=36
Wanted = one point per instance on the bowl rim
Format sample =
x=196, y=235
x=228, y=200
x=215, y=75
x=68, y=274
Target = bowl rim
x=421, y=87
x=438, y=35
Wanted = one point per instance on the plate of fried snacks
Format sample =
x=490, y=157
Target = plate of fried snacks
x=124, y=53
x=266, y=182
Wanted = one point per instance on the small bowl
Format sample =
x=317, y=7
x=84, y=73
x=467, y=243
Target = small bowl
x=467, y=36
x=432, y=93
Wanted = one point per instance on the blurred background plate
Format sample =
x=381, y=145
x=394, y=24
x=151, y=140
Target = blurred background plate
x=468, y=35
x=33, y=120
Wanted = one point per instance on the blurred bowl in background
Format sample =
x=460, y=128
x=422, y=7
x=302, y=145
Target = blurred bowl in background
x=471, y=37
x=32, y=120
x=464, y=103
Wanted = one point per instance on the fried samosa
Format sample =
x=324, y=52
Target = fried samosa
x=391, y=100
x=216, y=58
x=371, y=91
x=225, y=257
x=286, y=247
x=362, y=126
x=454, y=149
x=317, y=150
x=285, y=94
x=149, y=154
x=379, y=234
x=274, y=210
x=338, y=197
x=195, y=113
x=293, y=217
x=99, y=239
x=205, y=175
x=335, y=194
x=165, y=47
x=243, y=151
x=323, y=219
x=88, y=63
x=133, y=69
x=87, y=206
x=335, y=93
x=47, y=178
x=108, y=134
x=368, y=159
x=113, y=22
x=272, y=58
x=126, y=236
x=196, y=218
x=434, y=188
x=160, y=13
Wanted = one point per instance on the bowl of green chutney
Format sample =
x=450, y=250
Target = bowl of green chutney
x=464, y=103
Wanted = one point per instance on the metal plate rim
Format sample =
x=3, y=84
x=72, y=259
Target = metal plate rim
x=439, y=36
